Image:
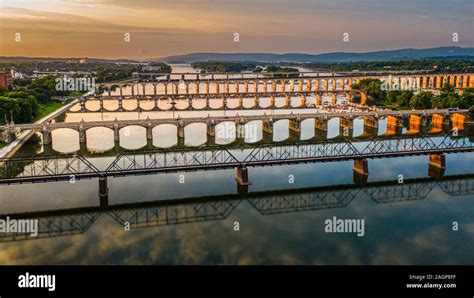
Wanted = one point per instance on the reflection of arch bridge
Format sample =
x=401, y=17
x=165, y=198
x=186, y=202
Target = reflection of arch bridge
x=298, y=82
x=169, y=212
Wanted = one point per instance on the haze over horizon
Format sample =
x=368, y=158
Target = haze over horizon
x=96, y=28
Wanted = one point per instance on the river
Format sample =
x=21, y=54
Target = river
x=192, y=218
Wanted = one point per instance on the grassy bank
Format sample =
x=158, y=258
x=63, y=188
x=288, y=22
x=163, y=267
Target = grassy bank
x=2, y=144
x=48, y=108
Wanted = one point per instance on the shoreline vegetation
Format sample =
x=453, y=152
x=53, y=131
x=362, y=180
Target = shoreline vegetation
x=32, y=99
x=441, y=65
x=404, y=100
x=237, y=67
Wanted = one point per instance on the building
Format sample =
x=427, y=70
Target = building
x=6, y=79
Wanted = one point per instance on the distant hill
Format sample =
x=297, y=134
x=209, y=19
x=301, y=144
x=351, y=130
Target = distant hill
x=390, y=55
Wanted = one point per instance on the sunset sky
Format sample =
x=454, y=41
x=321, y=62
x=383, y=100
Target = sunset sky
x=95, y=28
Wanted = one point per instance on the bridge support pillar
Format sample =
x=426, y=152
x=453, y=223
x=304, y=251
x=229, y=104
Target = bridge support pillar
x=345, y=127
x=103, y=191
x=211, y=129
x=325, y=85
x=415, y=124
x=82, y=103
x=394, y=125
x=371, y=122
x=116, y=134
x=47, y=139
x=371, y=125
x=149, y=132
x=180, y=135
x=437, y=123
x=300, y=85
x=82, y=135
x=267, y=126
x=321, y=127
x=211, y=133
x=436, y=165
x=458, y=121
x=361, y=171
x=83, y=147
x=465, y=81
x=242, y=190
x=294, y=126
x=318, y=99
x=242, y=176
x=239, y=131
x=48, y=149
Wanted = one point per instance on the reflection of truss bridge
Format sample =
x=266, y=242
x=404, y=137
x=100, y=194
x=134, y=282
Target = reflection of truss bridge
x=303, y=201
x=177, y=213
x=169, y=212
x=56, y=223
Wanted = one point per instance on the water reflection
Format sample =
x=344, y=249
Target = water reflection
x=289, y=216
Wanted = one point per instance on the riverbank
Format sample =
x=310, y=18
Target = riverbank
x=49, y=113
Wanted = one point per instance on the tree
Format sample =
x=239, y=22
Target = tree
x=373, y=87
x=6, y=105
x=42, y=95
x=422, y=100
x=403, y=99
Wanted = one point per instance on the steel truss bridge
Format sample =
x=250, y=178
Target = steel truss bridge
x=64, y=167
x=64, y=222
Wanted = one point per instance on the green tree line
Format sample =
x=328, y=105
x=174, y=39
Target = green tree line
x=447, y=98
x=24, y=103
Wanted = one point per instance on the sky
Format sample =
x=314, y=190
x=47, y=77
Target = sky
x=157, y=28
